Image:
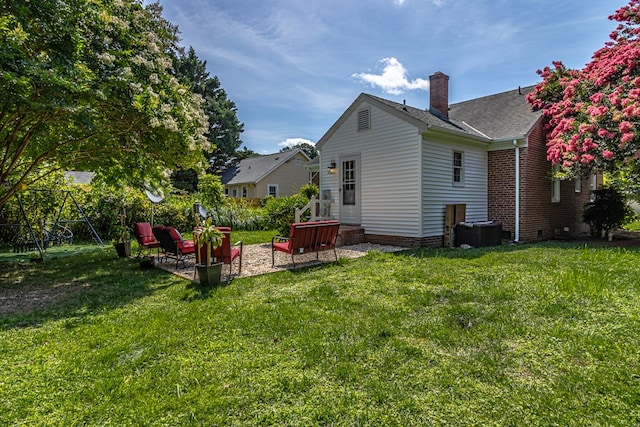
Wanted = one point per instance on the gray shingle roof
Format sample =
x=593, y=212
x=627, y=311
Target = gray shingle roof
x=253, y=169
x=423, y=116
x=499, y=116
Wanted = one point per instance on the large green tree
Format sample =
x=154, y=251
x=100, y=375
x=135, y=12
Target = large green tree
x=224, y=127
x=308, y=149
x=594, y=113
x=89, y=85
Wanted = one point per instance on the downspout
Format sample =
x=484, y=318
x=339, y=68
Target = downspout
x=517, y=195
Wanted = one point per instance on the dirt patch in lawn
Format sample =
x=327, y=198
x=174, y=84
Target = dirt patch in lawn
x=25, y=299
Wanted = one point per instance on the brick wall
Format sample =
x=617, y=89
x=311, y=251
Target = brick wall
x=405, y=242
x=540, y=218
x=501, y=191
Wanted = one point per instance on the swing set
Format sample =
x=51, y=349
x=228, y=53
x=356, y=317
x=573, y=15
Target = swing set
x=40, y=234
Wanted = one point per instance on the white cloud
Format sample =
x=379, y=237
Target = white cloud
x=290, y=142
x=393, y=79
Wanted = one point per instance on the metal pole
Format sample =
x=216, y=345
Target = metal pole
x=33, y=234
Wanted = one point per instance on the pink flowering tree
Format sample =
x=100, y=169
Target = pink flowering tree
x=594, y=113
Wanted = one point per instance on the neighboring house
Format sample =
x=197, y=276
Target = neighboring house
x=281, y=174
x=393, y=169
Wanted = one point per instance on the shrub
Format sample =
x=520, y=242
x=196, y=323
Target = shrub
x=281, y=212
x=607, y=211
x=239, y=215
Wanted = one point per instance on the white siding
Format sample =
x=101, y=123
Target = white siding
x=438, y=189
x=389, y=171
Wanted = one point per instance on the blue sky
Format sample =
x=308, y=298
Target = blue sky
x=293, y=66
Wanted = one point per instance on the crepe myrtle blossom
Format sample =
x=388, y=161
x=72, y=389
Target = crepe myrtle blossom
x=592, y=114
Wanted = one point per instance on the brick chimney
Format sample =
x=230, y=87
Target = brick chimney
x=439, y=95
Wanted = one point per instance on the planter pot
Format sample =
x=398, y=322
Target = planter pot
x=123, y=249
x=147, y=263
x=211, y=275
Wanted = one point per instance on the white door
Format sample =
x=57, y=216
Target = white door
x=350, y=189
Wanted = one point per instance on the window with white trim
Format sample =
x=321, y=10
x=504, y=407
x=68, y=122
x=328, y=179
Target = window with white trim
x=244, y=192
x=555, y=184
x=364, y=119
x=234, y=192
x=458, y=168
x=272, y=190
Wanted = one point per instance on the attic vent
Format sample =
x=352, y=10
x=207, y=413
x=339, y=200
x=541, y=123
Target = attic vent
x=364, y=119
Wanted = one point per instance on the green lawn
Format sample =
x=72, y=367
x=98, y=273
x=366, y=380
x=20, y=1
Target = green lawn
x=535, y=335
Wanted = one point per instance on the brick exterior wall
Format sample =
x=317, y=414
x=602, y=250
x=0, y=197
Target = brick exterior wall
x=501, y=190
x=540, y=218
x=405, y=242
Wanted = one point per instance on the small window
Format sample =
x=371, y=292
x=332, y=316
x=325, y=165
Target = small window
x=458, y=168
x=244, y=192
x=364, y=120
x=235, y=193
x=226, y=191
x=555, y=184
x=578, y=187
x=298, y=162
x=272, y=190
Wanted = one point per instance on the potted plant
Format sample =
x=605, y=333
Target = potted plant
x=207, y=237
x=123, y=244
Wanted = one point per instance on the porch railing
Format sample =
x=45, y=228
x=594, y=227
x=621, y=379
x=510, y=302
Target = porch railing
x=320, y=209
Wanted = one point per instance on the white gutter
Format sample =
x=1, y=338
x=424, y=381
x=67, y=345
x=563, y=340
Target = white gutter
x=517, y=195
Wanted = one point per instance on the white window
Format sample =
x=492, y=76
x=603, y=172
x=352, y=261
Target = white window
x=298, y=162
x=364, y=119
x=555, y=184
x=272, y=190
x=458, y=168
x=244, y=192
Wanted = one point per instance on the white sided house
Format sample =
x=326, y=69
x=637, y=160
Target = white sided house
x=392, y=169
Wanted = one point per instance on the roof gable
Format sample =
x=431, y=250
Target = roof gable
x=421, y=119
x=254, y=169
x=494, y=117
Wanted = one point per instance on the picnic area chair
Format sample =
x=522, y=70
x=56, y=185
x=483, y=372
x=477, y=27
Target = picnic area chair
x=144, y=236
x=173, y=245
x=306, y=237
x=226, y=253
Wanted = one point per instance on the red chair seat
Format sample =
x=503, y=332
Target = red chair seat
x=187, y=246
x=283, y=246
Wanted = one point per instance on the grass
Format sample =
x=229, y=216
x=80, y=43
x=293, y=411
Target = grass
x=54, y=252
x=633, y=226
x=518, y=335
